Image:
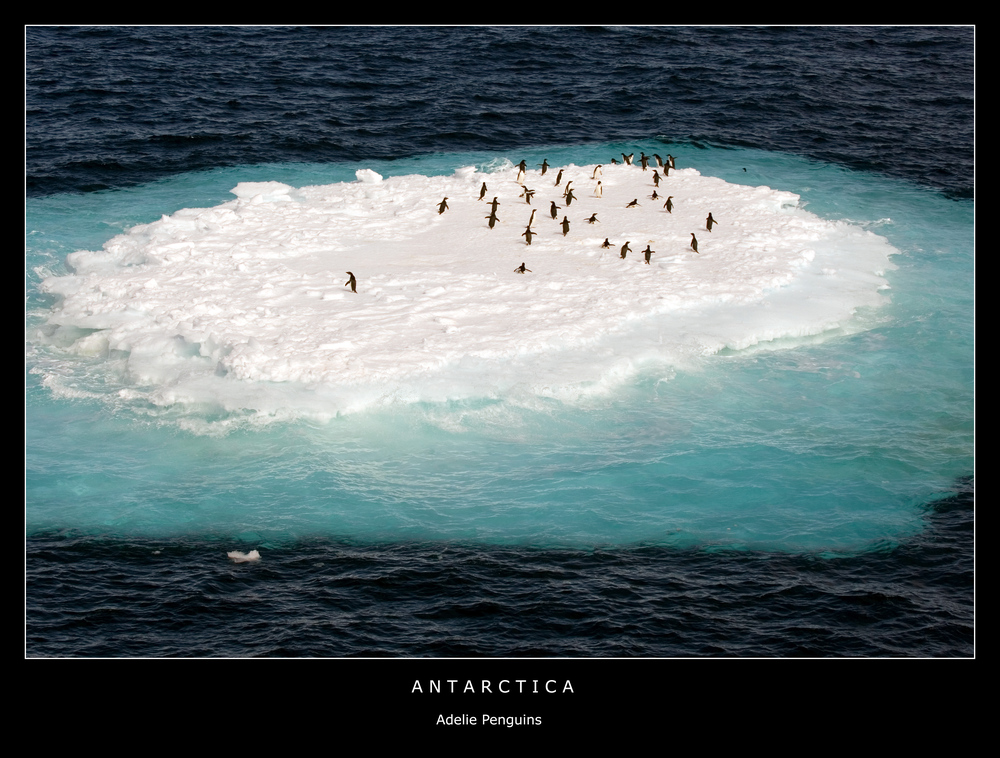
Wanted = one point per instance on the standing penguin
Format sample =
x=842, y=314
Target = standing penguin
x=443, y=206
x=492, y=218
x=482, y=191
x=656, y=178
x=565, y=225
x=527, y=195
x=599, y=190
x=570, y=197
x=597, y=171
x=625, y=249
x=545, y=165
x=567, y=190
x=627, y=158
x=606, y=243
x=527, y=234
x=659, y=160
x=558, y=178
x=669, y=204
x=670, y=161
x=554, y=211
x=647, y=252
x=644, y=160
x=352, y=281
x=531, y=220
x=495, y=203
x=694, y=243
x=523, y=166
x=709, y=221
x=520, y=177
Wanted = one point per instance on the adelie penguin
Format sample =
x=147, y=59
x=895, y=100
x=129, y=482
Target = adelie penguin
x=627, y=158
x=492, y=219
x=545, y=165
x=593, y=219
x=352, y=281
x=694, y=243
x=669, y=205
x=554, y=210
x=523, y=166
x=599, y=190
x=528, y=234
x=566, y=189
x=570, y=197
x=659, y=160
x=647, y=252
x=656, y=178
x=495, y=203
x=521, y=269
x=565, y=225
x=443, y=206
x=482, y=191
x=527, y=195
x=634, y=204
x=597, y=171
x=709, y=221
x=625, y=250
x=607, y=243
x=558, y=178
x=644, y=160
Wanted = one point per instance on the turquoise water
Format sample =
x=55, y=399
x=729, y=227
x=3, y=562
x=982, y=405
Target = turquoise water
x=832, y=443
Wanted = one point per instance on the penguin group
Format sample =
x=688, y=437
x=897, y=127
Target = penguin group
x=567, y=194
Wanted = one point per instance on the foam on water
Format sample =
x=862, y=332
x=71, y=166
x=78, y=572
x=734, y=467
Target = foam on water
x=789, y=404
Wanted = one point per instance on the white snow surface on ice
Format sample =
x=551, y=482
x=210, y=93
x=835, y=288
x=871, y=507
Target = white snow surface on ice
x=245, y=304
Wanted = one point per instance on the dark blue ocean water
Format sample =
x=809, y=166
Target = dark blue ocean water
x=117, y=110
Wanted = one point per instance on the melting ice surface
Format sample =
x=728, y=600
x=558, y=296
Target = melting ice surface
x=452, y=397
x=208, y=304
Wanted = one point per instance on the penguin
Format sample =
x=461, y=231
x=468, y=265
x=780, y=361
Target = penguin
x=647, y=252
x=570, y=197
x=659, y=160
x=527, y=195
x=670, y=158
x=520, y=177
x=532, y=219
x=694, y=243
x=709, y=221
x=558, y=178
x=654, y=196
x=625, y=249
x=443, y=206
x=545, y=165
x=482, y=191
x=493, y=219
x=656, y=178
x=627, y=158
x=633, y=204
x=495, y=203
x=352, y=281
x=565, y=225
x=523, y=165
x=566, y=191
x=599, y=190
x=644, y=160
x=606, y=243
x=521, y=269
x=666, y=170
x=598, y=172
x=528, y=234
x=553, y=209
x=593, y=219
x=669, y=205
x=614, y=161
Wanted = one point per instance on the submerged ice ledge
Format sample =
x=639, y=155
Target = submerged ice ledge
x=207, y=305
